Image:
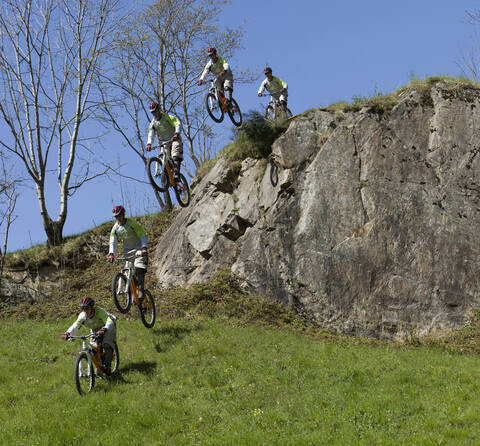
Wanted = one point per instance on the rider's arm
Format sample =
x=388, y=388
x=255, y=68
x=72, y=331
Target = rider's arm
x=151, y=132
x=206, y=70
x=137, y=227
x=284, y=84
x=113, y=240
x=262, y=86
x=78, y=323
x=175, y=123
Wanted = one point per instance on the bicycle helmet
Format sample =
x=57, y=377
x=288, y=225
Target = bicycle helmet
x=211, y=51
x=117, y=210
x=267, y=70
x=87, y=302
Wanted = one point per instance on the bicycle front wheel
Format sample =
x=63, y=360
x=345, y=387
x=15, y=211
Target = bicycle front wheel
x=182, y=191
x=147, y=310
x=84, y=375
x=235, y=113
x=214, y=109
x=156, y=174
x=270, y=113
x=121, y=293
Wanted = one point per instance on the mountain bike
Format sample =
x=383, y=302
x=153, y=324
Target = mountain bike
x=89, y=363
x=161, y=172
x=125, y=291
x=216, y=104
x=275, y=109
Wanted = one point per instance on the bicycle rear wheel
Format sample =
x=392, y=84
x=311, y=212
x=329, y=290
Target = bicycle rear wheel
x=182, y=191
x=214, y=109
x=147, y=310
x=115, y=359
x=84, y=375
x=235, y=113
x=121, y=293
x=156, y=174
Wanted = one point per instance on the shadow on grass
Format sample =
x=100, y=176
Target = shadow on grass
x=144, y=367
x=171, y=335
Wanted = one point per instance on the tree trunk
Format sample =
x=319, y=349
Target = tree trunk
x=54, y=231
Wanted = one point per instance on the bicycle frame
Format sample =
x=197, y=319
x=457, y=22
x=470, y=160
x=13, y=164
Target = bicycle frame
x=167, y=162
x=275, y=104
x=219, y=95
x=94, y=353
x=129, y=271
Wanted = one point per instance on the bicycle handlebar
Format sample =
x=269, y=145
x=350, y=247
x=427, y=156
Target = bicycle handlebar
x=133, y=255
x=83, y=337
x=271, y=94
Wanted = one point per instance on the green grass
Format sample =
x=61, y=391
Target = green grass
x=381, y=104
x=211, y=382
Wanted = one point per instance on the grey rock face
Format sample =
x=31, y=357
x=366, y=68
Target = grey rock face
x=372, y=228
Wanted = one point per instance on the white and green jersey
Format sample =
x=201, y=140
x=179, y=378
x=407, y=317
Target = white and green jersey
x=164, y=128
x=215, y=68
x=273, y=86
x=100, y=319
x=131, y=234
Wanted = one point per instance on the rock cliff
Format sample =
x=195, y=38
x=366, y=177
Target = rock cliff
x=371, y=229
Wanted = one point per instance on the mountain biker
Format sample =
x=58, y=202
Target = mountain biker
x=223, y=74
x=100, y=322
x=131, y=233
x=167, y=128
x=275, y=86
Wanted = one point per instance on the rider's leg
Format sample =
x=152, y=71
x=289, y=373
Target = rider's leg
x=107, y=358
x=283, y=101
x=140, y=272
x=177, y=156
x=228, y=93
x=108, y=342
x=228, y=85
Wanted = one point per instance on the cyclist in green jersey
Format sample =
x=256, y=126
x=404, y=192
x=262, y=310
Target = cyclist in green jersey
x=100, y=322
x=222, y=71
x=131, y=233
x=275, y=86
x=167, y=128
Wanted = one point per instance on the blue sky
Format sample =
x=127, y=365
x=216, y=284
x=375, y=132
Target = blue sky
x=327, y=51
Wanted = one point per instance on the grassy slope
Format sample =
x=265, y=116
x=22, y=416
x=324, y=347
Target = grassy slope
x=211, y=382
x=221, y=367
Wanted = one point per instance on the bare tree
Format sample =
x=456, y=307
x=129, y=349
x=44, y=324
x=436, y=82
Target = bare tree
x=50, y=51
x=159, y=55
x=8, y=200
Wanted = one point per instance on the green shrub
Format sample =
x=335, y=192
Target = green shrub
x=253, y=139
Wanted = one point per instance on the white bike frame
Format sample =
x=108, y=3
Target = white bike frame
x=164, y=156
x=88, y=349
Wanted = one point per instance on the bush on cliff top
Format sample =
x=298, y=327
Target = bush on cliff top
x=253, y=139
